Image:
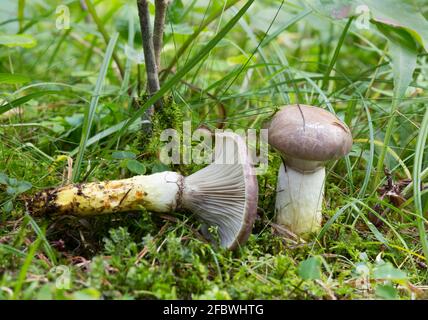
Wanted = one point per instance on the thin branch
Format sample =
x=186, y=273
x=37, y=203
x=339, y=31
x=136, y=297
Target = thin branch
x=160, y=13
x=149, y=55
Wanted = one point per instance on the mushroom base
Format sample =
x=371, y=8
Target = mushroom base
x=299, y=199
x=159, y=192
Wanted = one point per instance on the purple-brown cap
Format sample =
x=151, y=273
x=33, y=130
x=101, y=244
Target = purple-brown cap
x=307, y=136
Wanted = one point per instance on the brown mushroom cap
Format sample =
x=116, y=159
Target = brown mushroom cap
x=308, y=137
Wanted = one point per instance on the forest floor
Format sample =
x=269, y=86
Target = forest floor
x=370, y=245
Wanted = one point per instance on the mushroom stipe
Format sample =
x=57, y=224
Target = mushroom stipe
x=223, y=194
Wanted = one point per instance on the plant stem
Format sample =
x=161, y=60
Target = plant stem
x=159, y=25
x=21, y=8
x=149, y=56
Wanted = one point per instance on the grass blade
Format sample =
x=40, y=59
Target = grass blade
x=128, y=63
x=403, y=59
x=417, y=169
x=371, y=139
x=285, y=26
x=194, y=35
x=24, y=269
x=12, y=250
x=336, y=52
x=40, y=234
x=105, y=133
x=90, y=113
x=104, y=33
x=20, y=101
x=333, y=219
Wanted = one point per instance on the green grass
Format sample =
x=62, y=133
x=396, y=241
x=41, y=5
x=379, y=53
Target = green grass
x=73, y=104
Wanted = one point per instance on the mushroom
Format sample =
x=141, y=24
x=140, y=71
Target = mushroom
x=305, y=137
x=223, y=194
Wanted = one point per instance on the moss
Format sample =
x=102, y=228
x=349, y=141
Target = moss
x=169, y=116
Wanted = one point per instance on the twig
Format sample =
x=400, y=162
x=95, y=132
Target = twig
x=149, y=56
x=159, y=25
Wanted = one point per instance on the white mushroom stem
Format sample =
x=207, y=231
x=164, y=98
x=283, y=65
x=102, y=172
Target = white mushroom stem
x=299, y=199
x=157, y=192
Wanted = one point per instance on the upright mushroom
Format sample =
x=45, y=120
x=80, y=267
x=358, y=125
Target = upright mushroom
x=305, y=137
x=223, y=194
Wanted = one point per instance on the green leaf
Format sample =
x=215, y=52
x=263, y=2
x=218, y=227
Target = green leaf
x=87, y=294
x=10, y=190
x=136, y=167
x=18, y=40
x=8, y=206
x=13, y=78
x=120, y=155
x=397, y=14
x=175, y=11
x=53, y=125
x=403, y=51
x=12, y=182
x=387, y=271
x=386, y=292
x=75, y=120
x=310, y=269
x=3, y=178
x=14, y=186
x=44, y=293
x=82, y=74
x=400, y=14
x=25, y=266
x=23, y=186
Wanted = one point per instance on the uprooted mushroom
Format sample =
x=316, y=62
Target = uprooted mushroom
x=223, y=194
